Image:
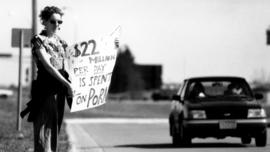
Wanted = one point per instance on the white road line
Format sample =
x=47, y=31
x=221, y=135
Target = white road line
x=80, y=140
x=71, y=138
x=117, y=120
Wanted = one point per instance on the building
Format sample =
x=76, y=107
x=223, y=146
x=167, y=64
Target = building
x=151, y=75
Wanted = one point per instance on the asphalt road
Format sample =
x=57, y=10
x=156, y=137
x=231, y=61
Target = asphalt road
x=147, y=135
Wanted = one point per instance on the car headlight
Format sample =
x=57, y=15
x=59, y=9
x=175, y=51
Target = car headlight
x=197, y=114
x=256, y=113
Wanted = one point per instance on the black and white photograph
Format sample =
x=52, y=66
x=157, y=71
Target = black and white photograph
x=135, y=76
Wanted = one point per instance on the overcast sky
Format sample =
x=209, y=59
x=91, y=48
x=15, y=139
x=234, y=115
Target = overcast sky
x=187, y=37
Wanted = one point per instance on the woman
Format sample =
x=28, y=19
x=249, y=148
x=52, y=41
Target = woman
x=48, y=95
x=52, y=86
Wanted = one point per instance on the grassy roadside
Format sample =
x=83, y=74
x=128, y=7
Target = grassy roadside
x=126, y=109
x=10, y=141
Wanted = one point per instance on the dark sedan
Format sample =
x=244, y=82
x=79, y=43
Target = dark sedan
x=217, y=107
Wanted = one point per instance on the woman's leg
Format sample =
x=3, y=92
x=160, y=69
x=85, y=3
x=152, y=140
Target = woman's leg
x=40, y=136
x=45, y=127
x=60, y=110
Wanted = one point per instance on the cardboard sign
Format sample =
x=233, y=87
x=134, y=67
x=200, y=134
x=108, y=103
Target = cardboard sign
x=90, y=65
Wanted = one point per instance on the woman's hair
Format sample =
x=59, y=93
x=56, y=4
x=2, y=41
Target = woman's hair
x=47, y=12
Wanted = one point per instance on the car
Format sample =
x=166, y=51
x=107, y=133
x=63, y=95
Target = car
x=4, y=93
x=219, y=107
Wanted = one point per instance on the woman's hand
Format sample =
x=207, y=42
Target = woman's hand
x=116, y=43
x=70, y=91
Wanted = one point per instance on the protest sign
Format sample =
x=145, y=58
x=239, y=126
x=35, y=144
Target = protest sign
x=90, y=65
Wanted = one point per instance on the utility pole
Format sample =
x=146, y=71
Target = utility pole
x=19, y=126
x=268, y=36
x=34, y=32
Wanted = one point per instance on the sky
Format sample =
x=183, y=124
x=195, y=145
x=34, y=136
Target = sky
x=187, y=37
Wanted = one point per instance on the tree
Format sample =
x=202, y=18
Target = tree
x=125, y=77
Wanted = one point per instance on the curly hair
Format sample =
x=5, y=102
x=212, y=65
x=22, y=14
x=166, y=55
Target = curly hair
x=47, y=12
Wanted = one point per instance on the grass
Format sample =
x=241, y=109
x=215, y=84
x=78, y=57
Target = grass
x=10, y=141
x=127, y=109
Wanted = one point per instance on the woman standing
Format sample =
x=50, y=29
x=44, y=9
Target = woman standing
x=48, y=95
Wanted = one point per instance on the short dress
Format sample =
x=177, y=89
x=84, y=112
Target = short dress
x=48, y=94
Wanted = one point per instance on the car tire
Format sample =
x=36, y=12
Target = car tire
x=261, y=138
x=246, y=140
x=184, y=140
x=181, y=138
x=175, y=140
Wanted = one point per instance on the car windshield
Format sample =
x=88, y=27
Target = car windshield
x=222, y=89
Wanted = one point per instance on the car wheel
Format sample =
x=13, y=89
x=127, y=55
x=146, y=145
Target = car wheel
x=176, y=140
x=246, y=140
x=185, y=140
x=180, y=138
x=261, y=138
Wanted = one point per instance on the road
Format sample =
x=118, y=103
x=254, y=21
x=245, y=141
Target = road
x=142, y=135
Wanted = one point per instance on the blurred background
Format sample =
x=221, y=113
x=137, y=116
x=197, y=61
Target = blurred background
x=162, y=42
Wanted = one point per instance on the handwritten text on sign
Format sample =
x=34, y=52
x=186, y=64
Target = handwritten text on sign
x=90, y=65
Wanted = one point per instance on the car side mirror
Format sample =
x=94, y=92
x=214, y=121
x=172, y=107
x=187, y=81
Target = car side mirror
x=258, y=96
x=177, y=98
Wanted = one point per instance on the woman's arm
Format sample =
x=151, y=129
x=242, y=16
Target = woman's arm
x=44, y=58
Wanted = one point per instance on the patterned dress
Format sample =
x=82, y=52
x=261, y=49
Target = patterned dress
x=48, y=94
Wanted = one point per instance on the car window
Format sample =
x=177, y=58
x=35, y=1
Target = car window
x=217, y=88
x=182, y=90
